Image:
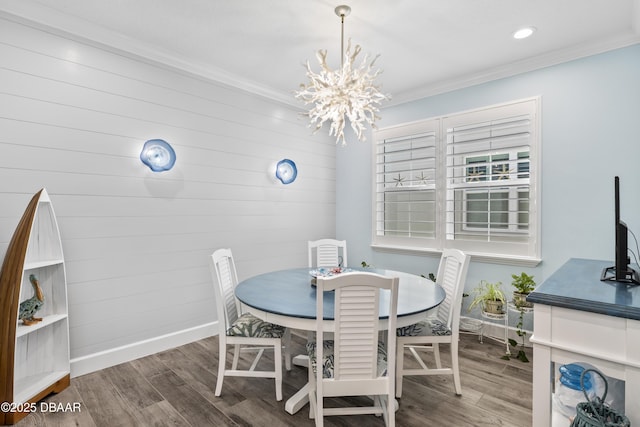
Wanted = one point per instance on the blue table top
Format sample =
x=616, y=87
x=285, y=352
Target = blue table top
x=577, y=285
x=290, y=293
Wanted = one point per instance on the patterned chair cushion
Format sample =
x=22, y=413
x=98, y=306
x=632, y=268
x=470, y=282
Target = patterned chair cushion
x=427, y=327
x=248, y=325
x=327, y=365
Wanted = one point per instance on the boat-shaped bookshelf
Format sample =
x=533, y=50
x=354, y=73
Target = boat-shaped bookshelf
x=34, y=357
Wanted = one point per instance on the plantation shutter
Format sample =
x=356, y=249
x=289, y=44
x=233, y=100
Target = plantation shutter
x=488, y=179
x=467, y=181
x=405, y=195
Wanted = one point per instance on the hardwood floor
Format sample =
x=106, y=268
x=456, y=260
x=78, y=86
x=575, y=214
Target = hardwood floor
x=176, y=388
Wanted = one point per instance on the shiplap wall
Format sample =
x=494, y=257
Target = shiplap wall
x=73, y=118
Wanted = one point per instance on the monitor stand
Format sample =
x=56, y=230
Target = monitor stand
x=631, y=277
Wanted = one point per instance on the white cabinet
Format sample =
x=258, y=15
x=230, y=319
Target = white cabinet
x=578, y=318
x=564, y=336
x=34, y=359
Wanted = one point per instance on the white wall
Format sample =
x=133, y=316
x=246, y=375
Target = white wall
x=73, y=118
x=590, y=133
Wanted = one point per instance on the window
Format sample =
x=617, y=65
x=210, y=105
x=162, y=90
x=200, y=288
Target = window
x=406, y=182
x=467, y=180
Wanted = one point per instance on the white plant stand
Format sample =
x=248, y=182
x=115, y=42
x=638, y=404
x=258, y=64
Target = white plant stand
x=504, y=317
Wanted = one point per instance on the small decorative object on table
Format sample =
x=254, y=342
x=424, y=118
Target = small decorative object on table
x=29, y=307
x=326, y=272
x=594, y=412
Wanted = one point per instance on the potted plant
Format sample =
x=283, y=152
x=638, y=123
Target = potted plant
x=524, y=285
x=490, y=297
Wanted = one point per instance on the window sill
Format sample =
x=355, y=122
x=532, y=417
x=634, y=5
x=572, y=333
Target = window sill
x=519, y=261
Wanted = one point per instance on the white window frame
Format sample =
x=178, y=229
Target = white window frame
x=450, y=177
x=513, y=161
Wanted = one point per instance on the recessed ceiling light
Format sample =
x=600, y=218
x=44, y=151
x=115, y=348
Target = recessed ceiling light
x=523, y=33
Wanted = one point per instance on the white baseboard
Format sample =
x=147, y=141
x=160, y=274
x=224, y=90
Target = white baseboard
x=104, y=359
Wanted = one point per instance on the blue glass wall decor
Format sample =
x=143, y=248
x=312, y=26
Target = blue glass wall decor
x=286, y=171
x=158, y=155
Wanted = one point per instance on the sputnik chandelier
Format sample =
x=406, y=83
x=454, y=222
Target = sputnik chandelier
x=346, y=93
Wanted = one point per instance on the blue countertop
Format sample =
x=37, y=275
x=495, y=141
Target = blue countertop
x=577, y=285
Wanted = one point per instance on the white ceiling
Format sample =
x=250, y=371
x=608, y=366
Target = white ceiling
x=425, y=46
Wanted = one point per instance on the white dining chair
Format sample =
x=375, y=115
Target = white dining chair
x=443, y=328
x=244, y=331
x=354, y=362
x=327, y=253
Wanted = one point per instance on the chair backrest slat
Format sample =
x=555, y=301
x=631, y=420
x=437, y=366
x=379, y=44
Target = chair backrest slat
x=328, y=253
x=356, y=320
x=452, y=272
x=226, y=278
x=356, y=335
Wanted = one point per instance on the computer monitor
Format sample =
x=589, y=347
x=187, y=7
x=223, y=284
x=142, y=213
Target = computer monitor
x=620, y=272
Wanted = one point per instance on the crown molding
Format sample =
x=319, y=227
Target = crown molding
x=515, y=68
x=54, y=22
x=51, y=20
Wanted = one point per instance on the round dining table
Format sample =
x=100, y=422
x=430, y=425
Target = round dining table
x=288, y=298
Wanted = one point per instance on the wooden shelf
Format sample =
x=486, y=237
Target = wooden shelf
x=22, y=330
x=39, y=264
x=34, y=359
x=32, y=385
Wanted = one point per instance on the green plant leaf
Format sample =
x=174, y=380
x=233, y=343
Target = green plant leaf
x=523, y=283
x=522, y=356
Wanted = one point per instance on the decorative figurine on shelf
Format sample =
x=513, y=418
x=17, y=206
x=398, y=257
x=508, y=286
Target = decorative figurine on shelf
x=29, y=307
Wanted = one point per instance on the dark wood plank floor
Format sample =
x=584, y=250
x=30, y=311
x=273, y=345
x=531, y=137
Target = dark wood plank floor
x=176, y=388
